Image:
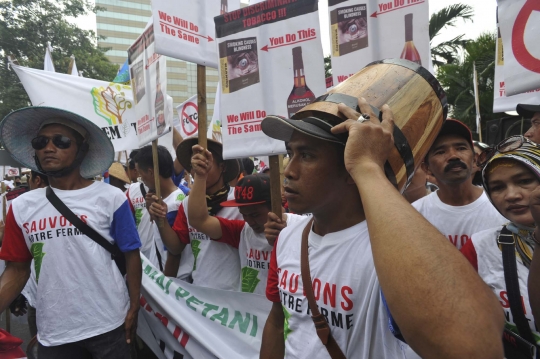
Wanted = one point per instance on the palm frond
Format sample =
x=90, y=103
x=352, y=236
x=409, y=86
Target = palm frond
x=447, y=16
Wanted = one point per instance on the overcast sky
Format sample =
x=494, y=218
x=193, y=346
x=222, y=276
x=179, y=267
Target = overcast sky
x=484, y=20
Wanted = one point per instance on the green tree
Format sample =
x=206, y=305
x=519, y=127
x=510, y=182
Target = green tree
x=25, y=28
x=446, y=52
x=457, y=80
x=327, y=66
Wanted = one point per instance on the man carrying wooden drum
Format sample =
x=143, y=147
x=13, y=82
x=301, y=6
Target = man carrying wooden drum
x=365, y=238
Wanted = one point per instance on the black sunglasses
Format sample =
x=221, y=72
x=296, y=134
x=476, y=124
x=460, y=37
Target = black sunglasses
x=510, y=144
x=60, y=141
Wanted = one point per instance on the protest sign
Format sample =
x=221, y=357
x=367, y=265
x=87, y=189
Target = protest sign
x=149, y=83
x=519, y=22
x=502, y=102
x=185, y=29
x=201, y=322
x=262, y=49
x=188, y=119
x=108, y=105
x=363, y=31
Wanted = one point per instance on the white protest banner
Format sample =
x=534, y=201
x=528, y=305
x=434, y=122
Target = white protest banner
x=519, y=22
x=214, y=130
x=363, y=31
x=185, y=29
x=109, y=105
x=149, y=82
x=262, y=49
x=501, y=102
x=201, y=322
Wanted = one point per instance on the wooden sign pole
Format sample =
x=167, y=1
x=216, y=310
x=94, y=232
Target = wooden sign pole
x=160, y=222
x=275, y=182
x=201, y=104
x=4, y=214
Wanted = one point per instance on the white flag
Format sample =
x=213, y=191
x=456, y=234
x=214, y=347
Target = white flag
x=73, y=67
x=48, y=64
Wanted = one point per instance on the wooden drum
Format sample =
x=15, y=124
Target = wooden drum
x=415, y=97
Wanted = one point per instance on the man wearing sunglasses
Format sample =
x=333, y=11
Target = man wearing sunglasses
x=84, y=308
x=531, y=112
x=459, y=208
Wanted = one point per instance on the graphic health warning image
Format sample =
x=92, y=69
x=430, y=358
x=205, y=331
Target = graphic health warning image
x=349, y=29
x=239, y=64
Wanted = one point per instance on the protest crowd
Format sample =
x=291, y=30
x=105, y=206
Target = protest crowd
x=397, y=234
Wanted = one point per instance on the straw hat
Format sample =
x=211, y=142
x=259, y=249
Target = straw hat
x=117, y=171
x=19, y=128
x=184, y=152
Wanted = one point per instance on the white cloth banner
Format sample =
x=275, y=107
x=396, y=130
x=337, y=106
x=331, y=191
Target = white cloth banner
x=200, y=322
x=519, y=22
x=502, y=103
x=149, y=83
x=363, y=31
x=271, y=62
x=185, y=29
x=108, y=105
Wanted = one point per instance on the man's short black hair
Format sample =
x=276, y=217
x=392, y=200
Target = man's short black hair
x=131, y=161
x=44, y=178
x=145, y=161
x=248, y=165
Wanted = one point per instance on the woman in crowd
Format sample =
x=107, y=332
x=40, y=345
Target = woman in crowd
x=503, y=256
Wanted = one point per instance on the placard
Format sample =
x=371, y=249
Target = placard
x=519, y=22
x=270, y=62
x=149, y=83
x=363, y=31
x=185, y=29
x=501, y=102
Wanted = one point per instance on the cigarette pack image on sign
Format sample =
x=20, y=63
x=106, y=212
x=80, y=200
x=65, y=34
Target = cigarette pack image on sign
x=239, y=63
x=349, y=29
x=137, y=78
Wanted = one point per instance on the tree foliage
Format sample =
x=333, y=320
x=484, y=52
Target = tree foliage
x=446, y=52
x=25, y=28
x=457, y=80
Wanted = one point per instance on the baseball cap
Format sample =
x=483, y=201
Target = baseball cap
x=250, y=190
x=454, y=127
x=527, y=111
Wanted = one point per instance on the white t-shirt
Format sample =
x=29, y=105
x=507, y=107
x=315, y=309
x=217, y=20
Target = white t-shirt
x=142, y=221
x=254, y=251
x=346, y=289
x=80, y=291
x=216, y=265
x=459, y=223
x=173, y=202
x=484, y=254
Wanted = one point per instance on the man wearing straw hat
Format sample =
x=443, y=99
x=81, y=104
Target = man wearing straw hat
x=82, y=302
x=365, y=238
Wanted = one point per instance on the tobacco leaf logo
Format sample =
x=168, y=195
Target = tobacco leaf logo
x=196, y=249
x=249, y=279
x=37, y=252
x=110, y=103
x=286, y=329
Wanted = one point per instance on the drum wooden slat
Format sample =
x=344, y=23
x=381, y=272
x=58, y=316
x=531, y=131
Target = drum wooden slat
x=417, y=109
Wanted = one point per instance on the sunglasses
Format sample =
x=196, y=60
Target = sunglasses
x=59, y=141
x=508, y=145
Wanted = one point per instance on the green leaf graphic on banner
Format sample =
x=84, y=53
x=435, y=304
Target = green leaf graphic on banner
x=195, y=248
x=38, y=254
x=138, y=216
x=286, y=329
x=249, y=279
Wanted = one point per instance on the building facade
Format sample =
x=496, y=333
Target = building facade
x=121, y=22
